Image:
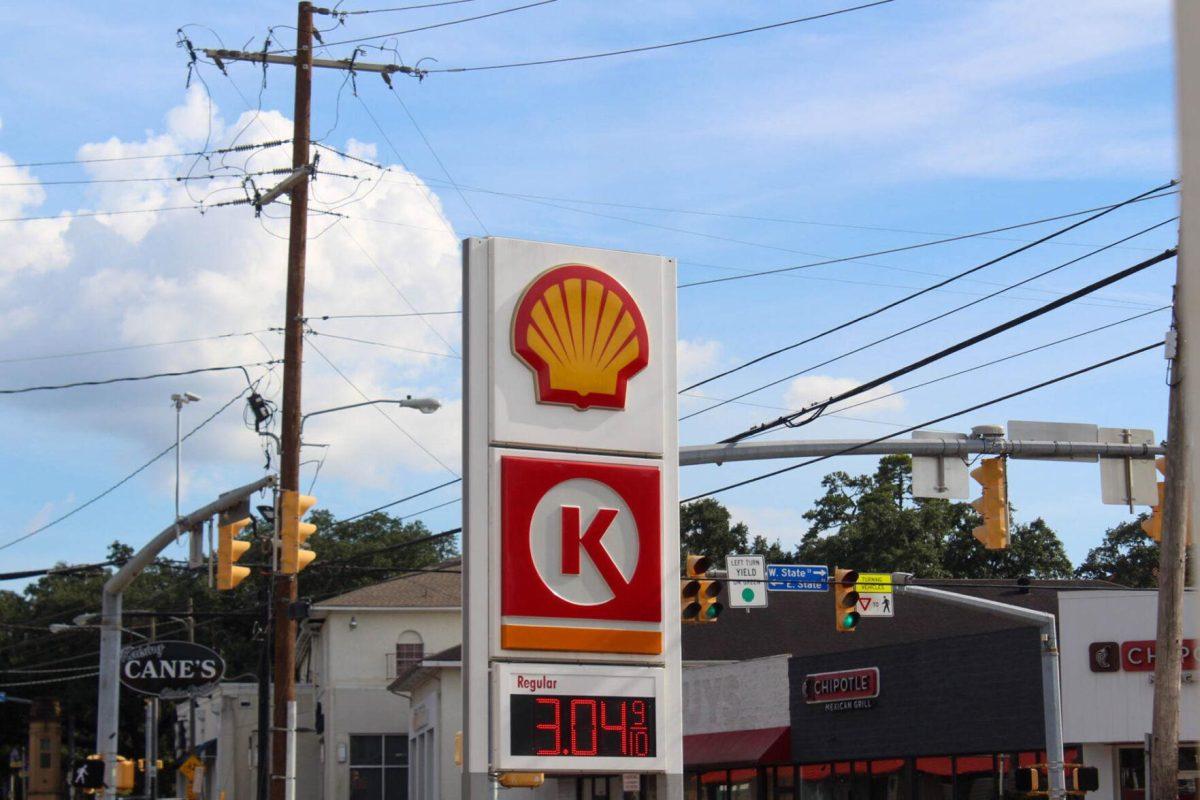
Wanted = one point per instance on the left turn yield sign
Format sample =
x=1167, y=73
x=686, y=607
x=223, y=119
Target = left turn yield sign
x=581, y=556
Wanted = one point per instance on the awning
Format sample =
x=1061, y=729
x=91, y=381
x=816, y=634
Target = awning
x=732, y=748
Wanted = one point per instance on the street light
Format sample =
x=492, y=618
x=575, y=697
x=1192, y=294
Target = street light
x=426, y=405
x=179, y=400
x=62, y=627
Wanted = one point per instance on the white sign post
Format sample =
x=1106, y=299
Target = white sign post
x=570, y=532
x=746, y=577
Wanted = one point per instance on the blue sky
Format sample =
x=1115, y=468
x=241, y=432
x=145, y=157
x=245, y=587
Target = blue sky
x=861, y=132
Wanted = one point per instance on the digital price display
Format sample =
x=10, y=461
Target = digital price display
x=587, y=726
x=577, y=718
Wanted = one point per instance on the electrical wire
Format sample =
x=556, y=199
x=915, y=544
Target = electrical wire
x=384, y=344
x=927, y=423
x=124, y=480
x=662, y=46
x=815, y=410
x=122, y=348
x=56, y=571
x=8, y=684
x=393, y=503
x=127, y=379
x=779, y=270
x=235, y=149
x=428, y=27
x=380, y=409
x=379, y=316
x=341, y=13
x=893, y=335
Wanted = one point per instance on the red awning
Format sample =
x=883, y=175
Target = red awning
x=732, y=748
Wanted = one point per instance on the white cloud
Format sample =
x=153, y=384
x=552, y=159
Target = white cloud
x=773, y=523
x=33, y=246
x=102, y=282
x=1014, y=90
x=695, y=357
x=808, y=389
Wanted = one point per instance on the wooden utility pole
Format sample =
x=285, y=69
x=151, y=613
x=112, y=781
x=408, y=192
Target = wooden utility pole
x=283, y=778
x=1182, y=450
x=283, y=724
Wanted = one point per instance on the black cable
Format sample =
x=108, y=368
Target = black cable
x=816, y=409
x=910, y=328
x=377, y=509
x=384, y=344
x=927, y=423
x=664, y=45
x=427, y=27
x=951, y=279
x=378, y=316
x=127, y=379
x=399, y=8
x=33, y=573
x=433, y=537
x=131, y=347
x=1145, y=196
x=124, y=480
x=235, y=149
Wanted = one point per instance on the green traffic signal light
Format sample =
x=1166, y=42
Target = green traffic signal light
x=850, y=620
x=713, y=610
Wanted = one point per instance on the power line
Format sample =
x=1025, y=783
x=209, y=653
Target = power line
x=235, y=149
x=893, y=335
x=381, y=316
x=123, y=348
x=377, y=509
x=815, y=410
x=7, y=684
x=384, y=344
x=392, y=547
x=925, y=424
x=438, y=159
x=127, y=379
x=662, y=46
x=379, y=409
x=59, y=570
x=124, y=480
x=401, y=8
x=427, y=27
x=1147, y=196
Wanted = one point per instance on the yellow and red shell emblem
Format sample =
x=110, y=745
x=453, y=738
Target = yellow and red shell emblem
x=583, y=336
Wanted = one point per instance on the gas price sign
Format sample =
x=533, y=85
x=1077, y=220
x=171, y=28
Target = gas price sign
x=579, y=718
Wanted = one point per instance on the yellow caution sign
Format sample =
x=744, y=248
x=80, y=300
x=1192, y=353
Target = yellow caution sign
x=874, y=583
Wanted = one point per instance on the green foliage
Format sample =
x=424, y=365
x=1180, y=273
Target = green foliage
x=1126, y=556
x=705, y=529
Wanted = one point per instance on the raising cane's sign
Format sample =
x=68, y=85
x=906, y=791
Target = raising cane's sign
x=171, y=669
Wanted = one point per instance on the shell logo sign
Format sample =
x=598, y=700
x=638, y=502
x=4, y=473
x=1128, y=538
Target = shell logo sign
x=582, y=335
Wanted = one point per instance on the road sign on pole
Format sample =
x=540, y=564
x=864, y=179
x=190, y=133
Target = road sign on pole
x=747, y=581
x=875, y=597
x=797, y=578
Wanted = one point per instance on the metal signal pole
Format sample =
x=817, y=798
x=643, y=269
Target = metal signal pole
x=283, y=786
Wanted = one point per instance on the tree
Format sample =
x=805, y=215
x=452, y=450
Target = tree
x=705, y=529
x=1034, y=550
x=1126, y=556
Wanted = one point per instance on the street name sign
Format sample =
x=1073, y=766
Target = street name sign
x=571, y=523
x=797, y=578
x=746, y=577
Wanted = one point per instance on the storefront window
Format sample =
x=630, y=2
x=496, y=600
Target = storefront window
x=781, y=783
x=975, y=778
x=816, y=782
x=743, y=784
x=889, y=779
x=690, y=784
x=934, y=778
x=714, y=785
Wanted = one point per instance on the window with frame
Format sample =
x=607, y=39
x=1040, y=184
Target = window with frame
x=378, y=767
x=410, y=649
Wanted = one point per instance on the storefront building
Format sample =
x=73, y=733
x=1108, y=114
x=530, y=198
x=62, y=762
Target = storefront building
x=1108, y=654
x=936, y=703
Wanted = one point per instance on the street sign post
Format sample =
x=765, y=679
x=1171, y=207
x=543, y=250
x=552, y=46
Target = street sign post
x=571, y=514
x=875, y=598
x=797, y=578
x=747, y=581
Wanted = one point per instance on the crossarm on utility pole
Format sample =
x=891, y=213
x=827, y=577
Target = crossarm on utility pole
x=1051, y=690
x=286, y=185
x=326, y=63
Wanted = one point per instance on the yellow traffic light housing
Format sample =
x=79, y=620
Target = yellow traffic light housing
x=124, y=775
x=845, y=599
x=992, y=475
x=521, y=780
x=230, y=549
x=698, y=594
x=293, y=533
x=1152, y=525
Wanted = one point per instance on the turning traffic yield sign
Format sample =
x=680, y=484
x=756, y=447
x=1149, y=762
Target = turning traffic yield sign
x=581, y=556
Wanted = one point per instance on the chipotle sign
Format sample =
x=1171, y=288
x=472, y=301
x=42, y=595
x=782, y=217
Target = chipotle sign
x=845, y=689
x=1134, y=656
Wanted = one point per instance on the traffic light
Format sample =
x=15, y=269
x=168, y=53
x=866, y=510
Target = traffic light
x=124, y=775
x=293, y=533
x=845, y=599
x=1152, y=524
x=992, y=475
x=1082, y=779
x=698, y=593
x=521, y=780
x=229, y=548
x=1033, y=781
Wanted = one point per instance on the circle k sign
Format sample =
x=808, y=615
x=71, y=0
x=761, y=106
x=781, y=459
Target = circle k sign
x=581, y=556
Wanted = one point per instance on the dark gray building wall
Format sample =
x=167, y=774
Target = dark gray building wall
x=980, y=693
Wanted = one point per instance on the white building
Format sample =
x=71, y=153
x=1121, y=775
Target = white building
x=1107, y=645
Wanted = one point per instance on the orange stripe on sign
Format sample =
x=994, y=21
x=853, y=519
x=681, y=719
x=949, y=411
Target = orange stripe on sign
x=584, y=640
